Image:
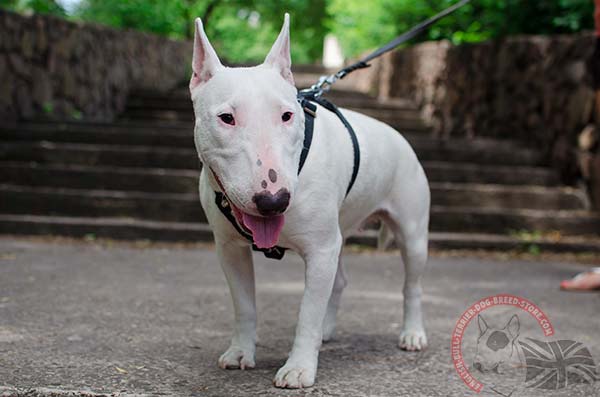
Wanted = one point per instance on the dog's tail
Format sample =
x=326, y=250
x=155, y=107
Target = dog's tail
x=384, y=237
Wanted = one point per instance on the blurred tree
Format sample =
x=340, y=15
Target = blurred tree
x=243, y=30
x=364, y=25
x=240, y=30
x=160, y=16
x=34, y=6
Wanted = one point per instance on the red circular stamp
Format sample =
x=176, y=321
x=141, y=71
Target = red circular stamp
x=497, y=339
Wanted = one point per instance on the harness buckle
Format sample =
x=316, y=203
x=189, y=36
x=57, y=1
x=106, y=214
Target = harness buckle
x=310, y=111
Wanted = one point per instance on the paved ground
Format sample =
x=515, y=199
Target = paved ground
x=90, y=318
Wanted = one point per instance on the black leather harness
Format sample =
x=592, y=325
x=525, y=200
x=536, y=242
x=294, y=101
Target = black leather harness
x=310, y=113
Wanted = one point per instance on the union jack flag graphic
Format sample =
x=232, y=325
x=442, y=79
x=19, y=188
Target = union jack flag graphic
x=557, y=364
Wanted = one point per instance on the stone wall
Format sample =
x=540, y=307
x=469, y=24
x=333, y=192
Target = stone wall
x=54, y=68
x=533, y=89
x=536, y=89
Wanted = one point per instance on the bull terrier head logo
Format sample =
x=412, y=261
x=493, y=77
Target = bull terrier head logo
x=496, y=347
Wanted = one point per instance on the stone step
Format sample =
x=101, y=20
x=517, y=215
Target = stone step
x=398, y=117
x=338, y=92
x=455, y=172
x=358, y=102
x=135, y=229
x=502, y=220
x=341, y=95
x=341, y=99
x=480, y=151
x=121, y=126
x=493, y=242
x=159, y=180
x=401, y=114
x=137, y=126
x=507, y=197
x=162, y=156
x=102, y=155
x=112, y=228
x=115, y=134
x=121, y=134
x=428, y=148
x=400, y=121
x=390, y=116
x=27, y=200
x=159, y=114
x=186, y=181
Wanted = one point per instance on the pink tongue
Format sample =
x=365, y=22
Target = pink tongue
x=265, y=230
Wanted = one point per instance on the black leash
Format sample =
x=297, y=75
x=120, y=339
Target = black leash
x=325, y=82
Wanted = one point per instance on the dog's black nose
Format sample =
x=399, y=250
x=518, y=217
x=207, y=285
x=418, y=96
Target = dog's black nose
x=271, y=204
x=478, y=366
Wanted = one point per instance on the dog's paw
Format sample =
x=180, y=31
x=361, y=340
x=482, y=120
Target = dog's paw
x=412, y=340
x=295, y=376
x=236, y=357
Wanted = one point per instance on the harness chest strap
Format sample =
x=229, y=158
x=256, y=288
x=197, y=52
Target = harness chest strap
x=355, y=147
x=310, y=113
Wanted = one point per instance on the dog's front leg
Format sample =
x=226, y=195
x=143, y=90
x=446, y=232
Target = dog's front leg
x=237, y=265
x=301, y=367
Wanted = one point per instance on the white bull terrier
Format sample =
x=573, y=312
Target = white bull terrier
x=249, y=135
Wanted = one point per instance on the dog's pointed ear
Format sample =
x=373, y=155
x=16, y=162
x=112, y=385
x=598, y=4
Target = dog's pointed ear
x=482, y=325
x=513, y=326
x=205, y=62
x=279, y=57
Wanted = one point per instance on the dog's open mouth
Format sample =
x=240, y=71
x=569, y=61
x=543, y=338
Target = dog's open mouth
x=265, y=230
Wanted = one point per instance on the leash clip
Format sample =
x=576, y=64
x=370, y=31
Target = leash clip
x=322, y=86
x=325, y=82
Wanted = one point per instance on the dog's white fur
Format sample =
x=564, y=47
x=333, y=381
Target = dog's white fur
x=391, y=185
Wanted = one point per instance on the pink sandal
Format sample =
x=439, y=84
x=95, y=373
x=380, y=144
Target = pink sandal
x=586, y=281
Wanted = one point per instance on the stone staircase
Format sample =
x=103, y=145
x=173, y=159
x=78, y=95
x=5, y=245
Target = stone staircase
x=137, y=179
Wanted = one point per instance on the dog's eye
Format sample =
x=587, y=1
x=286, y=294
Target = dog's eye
x=227, y=118
x=286, y=116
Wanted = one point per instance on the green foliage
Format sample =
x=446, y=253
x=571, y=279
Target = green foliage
x=159, y=16
x=364, y=25
x=48, y=107
x=34, y=6
x=240, y=30
x=534, y=249
x=76, y=115
x=243, y=30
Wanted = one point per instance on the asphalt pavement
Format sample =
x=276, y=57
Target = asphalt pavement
x=96, y=319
